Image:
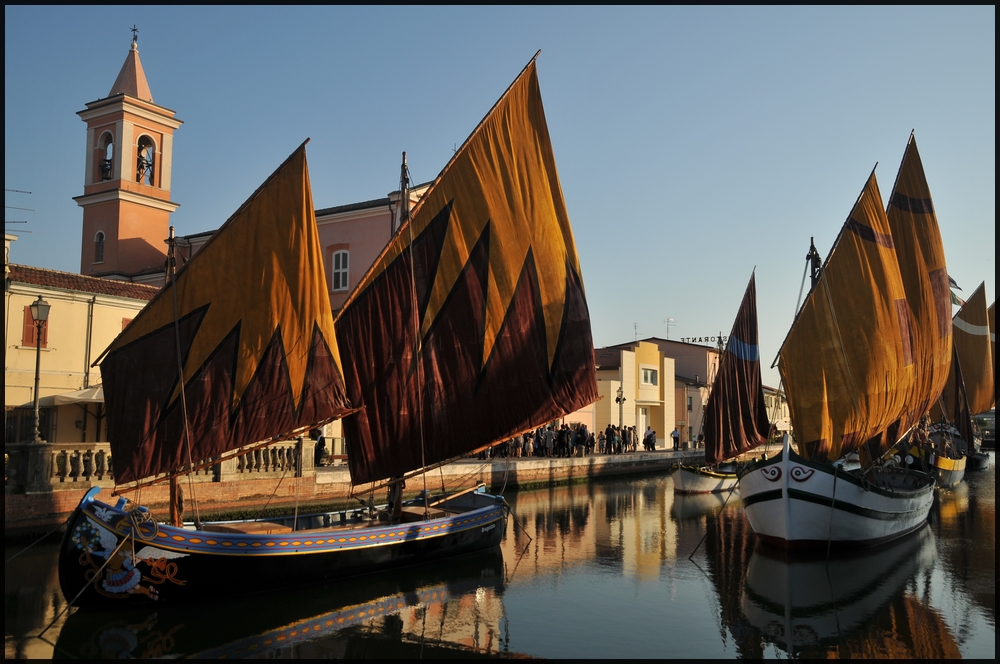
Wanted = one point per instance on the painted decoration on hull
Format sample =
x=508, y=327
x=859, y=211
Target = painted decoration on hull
x=255, y=333
x=486, y=281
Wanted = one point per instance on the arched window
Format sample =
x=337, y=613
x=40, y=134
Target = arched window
x=144, y=161
x=99, y=247
x=340, y=259
x=106, y=162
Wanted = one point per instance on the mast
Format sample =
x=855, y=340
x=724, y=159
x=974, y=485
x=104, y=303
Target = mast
x=176, y=494
x=404, y=192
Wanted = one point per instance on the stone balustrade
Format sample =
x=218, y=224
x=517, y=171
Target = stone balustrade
x=41, y=467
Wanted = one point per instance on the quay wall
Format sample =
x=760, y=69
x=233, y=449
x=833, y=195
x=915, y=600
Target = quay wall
x=34, y=513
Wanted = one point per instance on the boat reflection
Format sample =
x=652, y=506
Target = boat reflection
x=697, y=505
x=452, y=607
x=855, y=604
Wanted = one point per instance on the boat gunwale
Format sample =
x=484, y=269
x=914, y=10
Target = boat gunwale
x=849, y=476
x=200, y=542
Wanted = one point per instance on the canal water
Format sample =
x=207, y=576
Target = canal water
x=617, y=568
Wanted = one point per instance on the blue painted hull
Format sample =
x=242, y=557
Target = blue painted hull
x=113, y=555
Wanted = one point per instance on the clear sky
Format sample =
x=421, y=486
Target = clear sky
x=693, y=144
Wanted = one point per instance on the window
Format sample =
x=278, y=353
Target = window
x=21, y=424
x=649, y=377
x=28, y=337
x=340, y=270
x=144, y=161
x=99, y=247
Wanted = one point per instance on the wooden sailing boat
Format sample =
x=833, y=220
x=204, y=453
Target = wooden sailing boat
x=865, y=358
x=474, y=317
x=970, y=389
x=736, y=416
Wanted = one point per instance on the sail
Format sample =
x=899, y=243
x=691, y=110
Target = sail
x=920, y=252
x=847, y=363
x=972, y=341
x=496, y=304
x=956, y=400
x=993, y=346
x=736, y=417
x=254, y=328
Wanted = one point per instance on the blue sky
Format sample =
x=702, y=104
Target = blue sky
x=693, y=144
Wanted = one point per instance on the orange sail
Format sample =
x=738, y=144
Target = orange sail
x=254, y=328
x=472, y=325
x=848, y=361
x=920, y=252
x=972, y=342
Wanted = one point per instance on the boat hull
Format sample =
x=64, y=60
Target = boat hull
x=102, y=562
x=797, y=504
x=978, y=461
x=949, y=472
x=689, y=479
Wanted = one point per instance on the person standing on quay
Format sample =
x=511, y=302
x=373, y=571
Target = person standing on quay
x=676, y=436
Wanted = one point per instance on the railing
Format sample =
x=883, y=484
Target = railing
x=84, y=464
x=40, y=467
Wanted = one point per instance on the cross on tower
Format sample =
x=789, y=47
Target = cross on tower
x=135, y=34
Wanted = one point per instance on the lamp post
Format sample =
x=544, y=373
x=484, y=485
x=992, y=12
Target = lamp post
x=39, y=313
x=621, y=405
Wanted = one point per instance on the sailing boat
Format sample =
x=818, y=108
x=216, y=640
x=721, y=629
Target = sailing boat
x=736, y=416
x=474, y=315
x=970, y=389
x=862, y=363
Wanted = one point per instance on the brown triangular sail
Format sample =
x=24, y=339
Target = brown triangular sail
x=491, y=335
x=992, y=315
x=736, y=415
x=974, y=352
x=848, y=363
x=254, y=328
x=920, y=252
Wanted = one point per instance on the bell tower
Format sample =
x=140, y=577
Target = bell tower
x=126, y=189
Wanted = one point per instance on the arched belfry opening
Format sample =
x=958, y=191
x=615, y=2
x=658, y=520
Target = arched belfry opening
x=145, y=153
x=106, y=157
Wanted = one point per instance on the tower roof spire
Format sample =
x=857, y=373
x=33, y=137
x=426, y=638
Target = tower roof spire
x=131, y=79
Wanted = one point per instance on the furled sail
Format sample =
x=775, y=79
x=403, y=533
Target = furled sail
x=920, y=252
x=972, y=344
x=496, y=305
x=956, y=400
x=848, y=361
x=254, y=328
x=736, y=416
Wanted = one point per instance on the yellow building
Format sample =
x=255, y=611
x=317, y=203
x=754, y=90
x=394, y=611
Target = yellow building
x=645, y=378
x=86, y=314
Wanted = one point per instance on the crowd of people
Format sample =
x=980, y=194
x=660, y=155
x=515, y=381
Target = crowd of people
x=572, y=439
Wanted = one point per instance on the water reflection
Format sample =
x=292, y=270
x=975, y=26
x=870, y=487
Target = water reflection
x=590, y=570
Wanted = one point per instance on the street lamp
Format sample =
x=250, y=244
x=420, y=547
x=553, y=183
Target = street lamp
x=39, y=313
x=621, y=405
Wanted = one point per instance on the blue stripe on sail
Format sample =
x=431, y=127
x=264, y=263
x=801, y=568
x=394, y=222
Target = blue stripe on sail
x=744, y=351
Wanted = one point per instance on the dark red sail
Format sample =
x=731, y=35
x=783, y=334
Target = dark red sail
x=736, y=417
x=472, y=325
